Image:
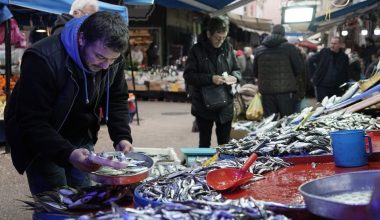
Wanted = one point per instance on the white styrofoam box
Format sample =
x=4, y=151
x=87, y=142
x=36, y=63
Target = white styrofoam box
x=159, y=151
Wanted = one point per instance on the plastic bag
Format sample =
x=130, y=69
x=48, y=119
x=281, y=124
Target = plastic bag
x=239, y=108
x=255, y=111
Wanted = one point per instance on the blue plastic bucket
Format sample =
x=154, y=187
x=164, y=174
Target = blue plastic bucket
x=140, y=201
x=349, y=148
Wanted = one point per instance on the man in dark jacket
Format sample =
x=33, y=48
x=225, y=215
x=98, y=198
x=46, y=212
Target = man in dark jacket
x=208, y=60
x=78, y=9
x=278, y=66
x=51, y=118
x=329, y=70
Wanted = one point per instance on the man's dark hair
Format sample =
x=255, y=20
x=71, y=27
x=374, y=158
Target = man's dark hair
x=108, y=27
x=218, y=24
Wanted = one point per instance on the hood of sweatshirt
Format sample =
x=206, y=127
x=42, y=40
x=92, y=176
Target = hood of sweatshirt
x=69, y=38
x=274, y=40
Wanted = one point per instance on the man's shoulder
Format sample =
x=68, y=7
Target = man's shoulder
x=49, y=46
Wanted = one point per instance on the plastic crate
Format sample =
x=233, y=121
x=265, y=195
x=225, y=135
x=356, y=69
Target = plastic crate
x=196, y=155
x=154, y=152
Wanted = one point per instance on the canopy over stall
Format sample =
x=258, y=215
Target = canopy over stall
x=250, y=23
x=62, y=6
x=212, y=7
x=339, y=16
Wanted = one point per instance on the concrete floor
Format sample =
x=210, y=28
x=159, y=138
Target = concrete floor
x=162, y=124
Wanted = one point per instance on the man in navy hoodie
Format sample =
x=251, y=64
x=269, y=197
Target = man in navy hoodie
x=51, y=118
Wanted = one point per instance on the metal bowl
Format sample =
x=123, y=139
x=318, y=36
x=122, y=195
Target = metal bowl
x=126, y=179
x=342, y=196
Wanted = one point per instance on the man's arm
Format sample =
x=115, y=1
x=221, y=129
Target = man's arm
x=235, y=67
x=313, y=62
x=36, y=98
x=296, y=59
x=192, y=74
x=118, y=121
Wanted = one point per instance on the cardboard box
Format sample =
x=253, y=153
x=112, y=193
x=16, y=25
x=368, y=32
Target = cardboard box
x=137, y=86
x=238, y=134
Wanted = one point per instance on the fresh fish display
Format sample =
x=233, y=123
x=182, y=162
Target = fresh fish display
x=117, y=164
x=68, y=200
x=246, y=208
x=190, y=184
x=164, y=168
x=310, y=139
x=115, y=159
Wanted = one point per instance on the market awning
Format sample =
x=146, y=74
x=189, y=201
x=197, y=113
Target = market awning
x=63, y=6
x=215, y=7
x=204, y=5
x=250, y=23
x=339, y=16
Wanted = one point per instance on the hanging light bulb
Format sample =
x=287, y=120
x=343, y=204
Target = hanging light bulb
x=377, y=30
x=364, y=32
x=344, y=33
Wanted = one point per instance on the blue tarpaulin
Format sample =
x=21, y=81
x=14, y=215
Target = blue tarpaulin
x=341, y=13
x=63, y=6
x=216, y=4
x=5, y=14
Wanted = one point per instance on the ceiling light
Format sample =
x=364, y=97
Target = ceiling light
x=344, y=33
x=377, y=31
x=364, y=32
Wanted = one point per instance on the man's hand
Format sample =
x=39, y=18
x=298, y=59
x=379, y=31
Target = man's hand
x=79, y=159
x=230, y=80
x=124, y=146
x=218, y=80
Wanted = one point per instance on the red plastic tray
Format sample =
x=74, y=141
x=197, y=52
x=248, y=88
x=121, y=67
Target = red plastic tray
x=282, y=185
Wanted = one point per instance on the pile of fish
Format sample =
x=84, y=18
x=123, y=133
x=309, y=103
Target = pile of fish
x=284, y=137
x=164, y=168
x=117, y=163
x=69, y=200
x=190, y=184
x=230, y=209
x=163, y=165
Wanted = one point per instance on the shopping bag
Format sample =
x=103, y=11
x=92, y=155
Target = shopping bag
x=255, y=111
x=214, y=97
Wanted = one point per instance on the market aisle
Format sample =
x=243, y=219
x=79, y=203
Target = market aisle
x=163, y=124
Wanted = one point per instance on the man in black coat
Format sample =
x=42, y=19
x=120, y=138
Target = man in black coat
x=278, y=66
x=51, y=118
x=329, y=70
x=208, y=60
x=78, y=9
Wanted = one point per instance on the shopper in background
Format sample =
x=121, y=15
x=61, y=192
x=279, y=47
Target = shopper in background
x=246, y=66
x=369, y=49
x=137, y=55
x=78, y=9
x=51, y=117
x=278, y=66
x=207, y=61
x=354, y=67
x=329, y=70
x=372, y=68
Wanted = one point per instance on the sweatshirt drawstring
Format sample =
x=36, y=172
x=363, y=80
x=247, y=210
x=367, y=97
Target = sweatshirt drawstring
x=85, y=86
x=108, y=93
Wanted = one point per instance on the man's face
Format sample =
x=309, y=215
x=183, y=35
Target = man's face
x=86, y=10
x=334, y=45
x=96, y=56
x=217, y=38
